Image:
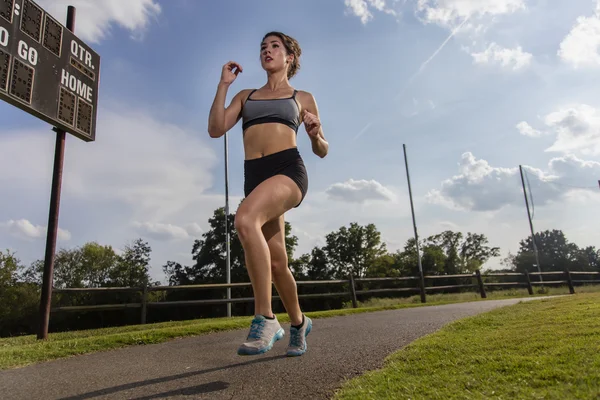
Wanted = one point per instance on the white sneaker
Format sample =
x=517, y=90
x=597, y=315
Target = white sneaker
x=263, y=334
x=297, y=345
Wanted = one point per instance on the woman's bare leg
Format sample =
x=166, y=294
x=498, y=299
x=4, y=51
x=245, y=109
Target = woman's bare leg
x=285, y=283
x=274, y=232
x=268, y=201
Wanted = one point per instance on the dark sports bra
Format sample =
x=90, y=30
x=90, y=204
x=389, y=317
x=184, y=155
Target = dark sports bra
x=284, y=111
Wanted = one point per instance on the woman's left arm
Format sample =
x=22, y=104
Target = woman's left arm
x=312, y=124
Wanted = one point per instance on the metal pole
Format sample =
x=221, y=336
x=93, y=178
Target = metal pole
x=227, y=250
x=59, y=155
x=412, y=209
x=537, y=259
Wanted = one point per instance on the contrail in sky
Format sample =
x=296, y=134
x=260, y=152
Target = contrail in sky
x=363, y=130
x=421, y=68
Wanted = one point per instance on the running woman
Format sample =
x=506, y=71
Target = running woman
x=275, y=181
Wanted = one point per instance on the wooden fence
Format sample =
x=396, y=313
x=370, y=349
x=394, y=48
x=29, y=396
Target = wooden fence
x=478, y=283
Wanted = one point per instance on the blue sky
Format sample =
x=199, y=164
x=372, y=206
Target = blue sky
x=473, y=88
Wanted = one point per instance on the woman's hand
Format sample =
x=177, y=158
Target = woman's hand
x=312, y=124
x=230, y=72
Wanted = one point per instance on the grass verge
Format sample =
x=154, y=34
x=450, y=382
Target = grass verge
x=547, y=349
x=25, y=350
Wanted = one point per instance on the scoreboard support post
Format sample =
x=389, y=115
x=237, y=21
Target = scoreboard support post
x=52, y=232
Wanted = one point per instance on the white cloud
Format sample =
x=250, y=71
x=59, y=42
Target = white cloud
x=450, y=13
x=575, y=172
x=514, y=59
x=478, y=187
x=581, y=46
x=24, y=229
x=193, y=229
x=527, y=130
x=94, y=19
x=448, y=225
x=481, y=187
x=164, y=232
x=156, y=168
x=363, y=8
x=359, y=191
x=322, y=213
x=577, y=129
x=138, y=169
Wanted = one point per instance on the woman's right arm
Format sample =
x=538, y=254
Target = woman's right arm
x=221, y=119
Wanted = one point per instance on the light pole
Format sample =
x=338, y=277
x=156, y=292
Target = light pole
x=227, y=255
x=412, y=209
x=537, y=259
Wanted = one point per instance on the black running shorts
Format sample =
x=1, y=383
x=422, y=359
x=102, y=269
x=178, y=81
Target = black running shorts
x=286, y=162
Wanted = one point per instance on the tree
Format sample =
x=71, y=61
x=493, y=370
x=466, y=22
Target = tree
x=10, y=266
x=210, y=255
x=319, y=268
x=291, y=242
x=87, y=266
x=475, y=252
x=177, y=274
x=509, y=262
x=555, y=253
x=387, y=265
x=95, y=265
x=132, y=267
x=449, y=243
x=299, y=266
x=90, y=265
x=409, y=263
x=68, y=269
x=354, y=249
x=19, y=299
x=588, y=259
x=463, y=256
x=433, y=259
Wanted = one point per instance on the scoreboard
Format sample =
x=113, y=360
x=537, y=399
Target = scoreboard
x=46, y=70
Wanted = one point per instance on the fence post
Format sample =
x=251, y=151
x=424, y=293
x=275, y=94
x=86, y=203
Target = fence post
x=569, y=281
x=353, y=291
x=480, y=282
x=144, y=302
x=529, y=287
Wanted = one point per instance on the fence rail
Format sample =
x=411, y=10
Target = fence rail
x=479, y=284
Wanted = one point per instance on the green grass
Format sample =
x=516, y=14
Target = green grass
x=25, y=350
x=546, y=349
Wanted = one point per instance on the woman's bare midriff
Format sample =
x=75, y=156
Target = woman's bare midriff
x=264, y=139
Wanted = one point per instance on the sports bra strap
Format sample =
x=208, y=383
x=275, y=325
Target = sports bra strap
x=247, y=98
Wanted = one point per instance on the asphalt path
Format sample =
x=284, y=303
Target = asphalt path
x=207, y=366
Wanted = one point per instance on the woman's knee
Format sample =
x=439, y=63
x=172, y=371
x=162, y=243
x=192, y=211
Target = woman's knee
x=245, y=224
x=279, y=267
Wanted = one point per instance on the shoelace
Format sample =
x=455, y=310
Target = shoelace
x=256, y=329
x=295, y=338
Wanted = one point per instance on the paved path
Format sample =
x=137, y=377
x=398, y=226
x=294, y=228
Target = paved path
x=207, y=367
